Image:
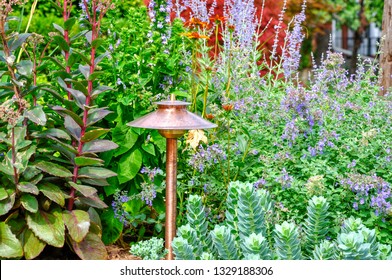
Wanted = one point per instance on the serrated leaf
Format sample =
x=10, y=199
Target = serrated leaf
x=96, y=172
x=129, y=165
x=94, y=134
x=112, y=227
x=91, y=248
x=32, y=246
x=77, y=223
x=48, y=227
x=85, y=161
x=93, y=201
x=52, y=192
x=53, y=169
x=54, y=132
x=27, y=187
x=10, y=246
x=83, y=189
x=7, y=204
x=29, y=203
x=73, y=128
x=98, y=146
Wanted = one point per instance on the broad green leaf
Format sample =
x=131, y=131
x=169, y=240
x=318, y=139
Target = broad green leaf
x=7, y=204
x=29, y=203
x=32, y=246
x=63, y=112
x=101, y=57
x=95, y=115
x=112, y=227
x=73, y=128
x=54, y=132
x=96, y=172
x=91, y=248
x=23, y=158
x=48, y=227
x=6, y=169
x=28, y=188
x=94, y=218
x=158, y=140
x=61, y=42
x=84, y=161
x=77, y=223
x=53, y=169
x=149, y=148
x=97, y=42
x=10, y=246
x=83, y=189
x=52, y=192
x=125, y=138
x=69, y=23
x=129, y=165
x=98, y=146
x=25, y=67
x=93, y=201
x=3, y=193
x=94, y=134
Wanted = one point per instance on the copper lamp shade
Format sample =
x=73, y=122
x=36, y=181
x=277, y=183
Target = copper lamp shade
x=171, y=119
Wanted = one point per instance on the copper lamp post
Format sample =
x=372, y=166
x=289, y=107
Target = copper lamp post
x=171, y=119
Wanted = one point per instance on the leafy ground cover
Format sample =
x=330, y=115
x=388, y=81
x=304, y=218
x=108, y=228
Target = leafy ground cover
x=74, y=176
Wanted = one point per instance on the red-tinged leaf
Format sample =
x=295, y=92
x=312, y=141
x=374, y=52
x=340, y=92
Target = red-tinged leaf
x=48, y=227
x=10, y=246
x=95, y=182
x=100, y=90
x=7, y=204
x=95, y=115
x=77, y=223
x=32, y=246
x=98, y=146
x=85, y=70
x=36, y=115
x=83, y=189
x=94, y=134
x=95, y=173
x=73, y=128
x=29, y=202
x=93, y=201
x=86, y=161
x=91, y=248
x=28, y=188
x=53, y=169
x=52, y=192
x=53, y=132
x=63, y=112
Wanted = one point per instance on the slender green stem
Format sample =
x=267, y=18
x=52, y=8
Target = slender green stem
x=205, y=95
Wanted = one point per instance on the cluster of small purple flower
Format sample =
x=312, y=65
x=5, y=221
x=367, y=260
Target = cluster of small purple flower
x=205, y=157
x=148, y=193
x=160, y=20
x=285, y=179
x=291, y=54
x=119, y=199
x=151, y=173
x=371, y=190
x=259, y=183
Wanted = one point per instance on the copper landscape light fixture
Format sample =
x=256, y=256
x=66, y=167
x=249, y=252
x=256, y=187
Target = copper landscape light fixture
x=171, y=119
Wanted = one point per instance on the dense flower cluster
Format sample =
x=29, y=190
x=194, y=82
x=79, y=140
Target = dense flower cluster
x=205, y=157
x=370, y=190
x=119, y=199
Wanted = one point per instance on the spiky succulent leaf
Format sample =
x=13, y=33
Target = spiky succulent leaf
x=197, y=220
x=256, y=245
x=224, y=242
x=190, y=235
x=326, y=250
x=182, y=249
x=287, y=244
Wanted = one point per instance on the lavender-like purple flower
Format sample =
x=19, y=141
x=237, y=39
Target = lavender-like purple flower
x=207, y=157
x=285, y=179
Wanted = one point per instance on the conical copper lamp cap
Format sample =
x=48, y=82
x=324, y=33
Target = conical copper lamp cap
x=172, y=119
